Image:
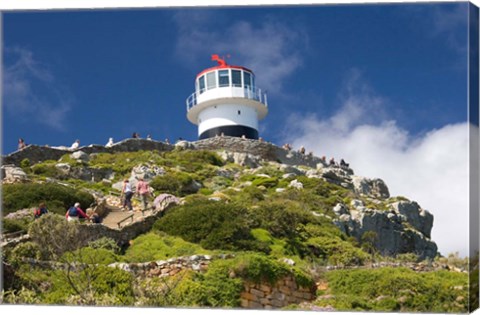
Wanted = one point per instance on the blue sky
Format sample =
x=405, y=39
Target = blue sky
x=92, y=75
x=348, y=73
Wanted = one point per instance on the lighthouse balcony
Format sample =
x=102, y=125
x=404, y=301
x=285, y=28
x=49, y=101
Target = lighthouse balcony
x=250, y=94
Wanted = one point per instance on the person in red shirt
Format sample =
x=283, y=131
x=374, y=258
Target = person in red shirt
x=75, y=212
x=143, y=190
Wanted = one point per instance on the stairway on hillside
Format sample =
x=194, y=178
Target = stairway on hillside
x=117, y=215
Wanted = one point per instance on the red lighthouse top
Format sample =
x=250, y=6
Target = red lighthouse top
x=222, y=64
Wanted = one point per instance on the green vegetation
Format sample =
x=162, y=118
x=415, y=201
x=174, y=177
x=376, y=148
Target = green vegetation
x=396, y=289
x=256, y=224
x=159, y=246
x=173, y=183
x=57, y=197
x=213, y=225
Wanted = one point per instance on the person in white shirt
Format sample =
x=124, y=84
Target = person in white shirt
x=110, y=142
x=128, y=194
x=75, y=145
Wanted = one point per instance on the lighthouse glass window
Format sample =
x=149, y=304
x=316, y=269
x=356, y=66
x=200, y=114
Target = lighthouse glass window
x=201, y=84
x=236, y=78
x=211, y=83
x=247, y=80
x=223, y=79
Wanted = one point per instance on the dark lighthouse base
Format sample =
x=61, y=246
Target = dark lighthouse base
x=231, y=131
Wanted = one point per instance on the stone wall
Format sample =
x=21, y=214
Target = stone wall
x=264, y=150
x=42, y=153
x=284, y=292
x=170, y=267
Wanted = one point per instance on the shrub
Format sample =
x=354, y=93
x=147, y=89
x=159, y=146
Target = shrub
x=214, y=225
x=46, y=168
x=154, y=246
x=94, y=285
x=400, y=288
x=105, y=243
x=215, y=288
x=260, y=268
x=281, y=218
x=25, y=250
x=16, y=225
x=89, y=255
x=337, y=251
x=172, y=183
x=57, y=197
x=265, y=182
x=55, y=236
x=218, y=183
x=25, y=165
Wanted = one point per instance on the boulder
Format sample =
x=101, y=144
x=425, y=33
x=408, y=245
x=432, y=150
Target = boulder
x=296, y=184
x=375, y=188
x=145, y=171
x=340, y=209
x=80, y=156
x=184, y=145
x=393, y=237
x=243, y=159
x=284, y=168
x=13, y=174
x=420, y=219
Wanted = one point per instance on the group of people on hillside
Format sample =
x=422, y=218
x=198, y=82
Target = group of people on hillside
x=332, y=162
x=142, y=189
x=74, y=213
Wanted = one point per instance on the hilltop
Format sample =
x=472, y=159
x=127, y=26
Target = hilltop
x=265, y=225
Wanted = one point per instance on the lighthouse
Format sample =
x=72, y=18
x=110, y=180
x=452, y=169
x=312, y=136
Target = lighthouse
x=226, y=102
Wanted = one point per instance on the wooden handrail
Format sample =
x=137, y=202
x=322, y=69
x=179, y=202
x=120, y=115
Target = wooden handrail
x=123, y=220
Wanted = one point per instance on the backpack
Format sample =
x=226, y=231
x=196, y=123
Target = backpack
x=73, y=212
x=37, y=213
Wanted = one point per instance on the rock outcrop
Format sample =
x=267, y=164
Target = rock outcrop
x=405, y=228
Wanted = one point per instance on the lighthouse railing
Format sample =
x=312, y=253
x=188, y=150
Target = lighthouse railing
x=249, y=92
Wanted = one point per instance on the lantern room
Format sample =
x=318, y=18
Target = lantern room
x=226, y=102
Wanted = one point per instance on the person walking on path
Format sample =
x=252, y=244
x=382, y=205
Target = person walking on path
x=75, y=212
x=143, y=191
x=127, y=194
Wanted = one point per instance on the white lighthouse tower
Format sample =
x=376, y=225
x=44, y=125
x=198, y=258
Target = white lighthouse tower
x=226, y=102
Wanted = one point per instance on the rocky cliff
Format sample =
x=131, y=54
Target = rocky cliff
x=399, y=225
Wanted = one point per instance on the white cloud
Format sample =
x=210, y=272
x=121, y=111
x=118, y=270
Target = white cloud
x=30, y=91
x=431, y=169
x=270, y=48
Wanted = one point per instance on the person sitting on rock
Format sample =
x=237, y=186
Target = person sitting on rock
x=95, y=218
x=302, y=150
x=332, y=162
x=109, y=143
x=343, y=164
x=21, y=144
x=75, y=212
x=41, y=210
x=75, y=145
